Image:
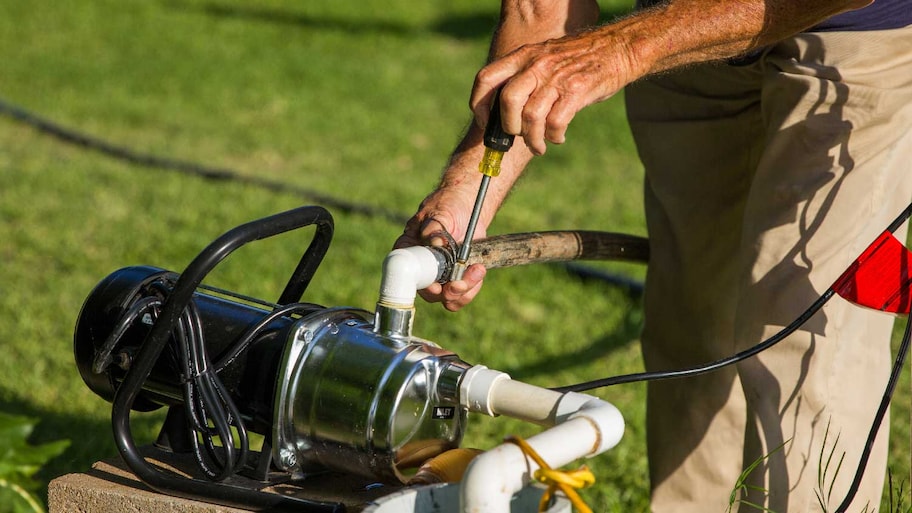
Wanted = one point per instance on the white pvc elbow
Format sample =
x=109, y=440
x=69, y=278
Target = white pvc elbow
x=583, y=426
x=405, y=272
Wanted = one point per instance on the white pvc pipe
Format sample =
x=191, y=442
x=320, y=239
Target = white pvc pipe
x=405, y=272
x=583, y=426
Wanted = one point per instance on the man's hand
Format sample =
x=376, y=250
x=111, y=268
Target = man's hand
x=446, y=211
x=545, y=84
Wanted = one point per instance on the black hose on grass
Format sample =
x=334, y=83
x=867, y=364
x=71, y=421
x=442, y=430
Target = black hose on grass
x=126, y=154
x=137, y=158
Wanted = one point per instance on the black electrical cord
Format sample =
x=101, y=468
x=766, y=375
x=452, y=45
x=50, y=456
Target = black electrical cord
x=211, y=412
x=209, y=406
x=103, y=354
x=242, y=343
x=206, y=399
x=709, y=367
x=878, y=417
x=766, y=344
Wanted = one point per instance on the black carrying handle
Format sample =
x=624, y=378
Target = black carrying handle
x=157, y=338
x=311, y=258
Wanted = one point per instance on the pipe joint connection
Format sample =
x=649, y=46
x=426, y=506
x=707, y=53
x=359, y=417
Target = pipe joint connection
x=408, y=270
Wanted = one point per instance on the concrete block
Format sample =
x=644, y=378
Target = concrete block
x=109, y=487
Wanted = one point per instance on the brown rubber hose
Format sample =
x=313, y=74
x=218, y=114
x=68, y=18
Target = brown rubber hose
x=557, y=246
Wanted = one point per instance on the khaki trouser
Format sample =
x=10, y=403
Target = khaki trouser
x=763, y=182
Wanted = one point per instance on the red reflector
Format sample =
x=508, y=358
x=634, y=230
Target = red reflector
x=880, y=277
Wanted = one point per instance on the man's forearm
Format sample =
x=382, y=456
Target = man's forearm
x=681, y=32
x=558, y=43
x=522, y=22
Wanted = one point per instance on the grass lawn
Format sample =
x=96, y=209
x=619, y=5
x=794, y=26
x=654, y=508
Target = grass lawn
x=359, y=101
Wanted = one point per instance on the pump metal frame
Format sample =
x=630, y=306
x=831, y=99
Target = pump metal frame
x=156, y=340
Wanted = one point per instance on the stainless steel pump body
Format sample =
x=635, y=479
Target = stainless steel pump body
x=351, y=399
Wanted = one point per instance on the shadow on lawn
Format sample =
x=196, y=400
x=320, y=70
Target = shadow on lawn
x=462, y=26
x=91, y=439
x=627, y=331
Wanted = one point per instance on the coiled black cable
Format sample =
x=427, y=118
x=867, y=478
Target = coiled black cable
x=210, y=409
x=211, y=412
x=173, y=312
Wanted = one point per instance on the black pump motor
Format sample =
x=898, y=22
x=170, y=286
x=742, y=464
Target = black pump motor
x=325, y=388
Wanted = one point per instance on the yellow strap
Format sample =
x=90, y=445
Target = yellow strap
x=567, y=481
